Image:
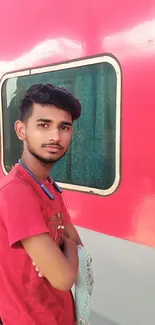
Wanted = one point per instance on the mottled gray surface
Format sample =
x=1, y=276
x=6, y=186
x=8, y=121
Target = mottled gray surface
x=124, y=292
x=97, y=319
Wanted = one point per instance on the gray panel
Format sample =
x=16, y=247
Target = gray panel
x=97, y=319
x=124, y=292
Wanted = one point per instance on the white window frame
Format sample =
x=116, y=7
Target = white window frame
x=79, y=63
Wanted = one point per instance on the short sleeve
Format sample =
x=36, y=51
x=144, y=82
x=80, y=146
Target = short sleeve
x=21, y=212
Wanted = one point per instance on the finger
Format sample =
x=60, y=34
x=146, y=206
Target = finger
x=40, y=275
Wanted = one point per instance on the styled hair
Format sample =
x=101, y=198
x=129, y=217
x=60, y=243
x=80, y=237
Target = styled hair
x=48, y=94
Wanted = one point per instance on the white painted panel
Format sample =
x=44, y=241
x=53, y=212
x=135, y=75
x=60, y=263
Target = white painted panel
x=124, y=292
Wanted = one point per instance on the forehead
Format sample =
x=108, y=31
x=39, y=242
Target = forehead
x=50, y=112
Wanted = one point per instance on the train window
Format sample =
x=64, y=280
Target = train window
x=92, y=162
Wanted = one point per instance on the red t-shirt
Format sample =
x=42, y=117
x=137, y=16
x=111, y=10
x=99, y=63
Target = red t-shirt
x=25, y=211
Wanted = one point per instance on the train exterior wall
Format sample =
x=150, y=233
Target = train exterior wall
x=118, y=229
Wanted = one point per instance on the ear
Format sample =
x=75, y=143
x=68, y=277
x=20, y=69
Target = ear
x=20, y=130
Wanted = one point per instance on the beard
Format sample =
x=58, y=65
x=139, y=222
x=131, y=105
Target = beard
x=45, y=161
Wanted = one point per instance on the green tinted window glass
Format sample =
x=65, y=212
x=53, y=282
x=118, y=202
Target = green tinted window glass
x=90, y=160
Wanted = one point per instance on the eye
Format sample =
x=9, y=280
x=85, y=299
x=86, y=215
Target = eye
x=43, y=125
x=64, y=128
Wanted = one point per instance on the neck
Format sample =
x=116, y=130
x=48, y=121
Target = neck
x=38, y=168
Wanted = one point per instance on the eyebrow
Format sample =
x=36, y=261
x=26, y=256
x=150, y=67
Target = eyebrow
x=50, y=121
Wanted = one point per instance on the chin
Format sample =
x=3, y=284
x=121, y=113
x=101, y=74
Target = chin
x=52, y=159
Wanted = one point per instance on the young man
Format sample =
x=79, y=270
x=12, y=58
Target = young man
x=35, y=228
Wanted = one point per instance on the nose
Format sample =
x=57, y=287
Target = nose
x=54, y=135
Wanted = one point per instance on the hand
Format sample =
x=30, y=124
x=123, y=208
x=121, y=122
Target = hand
x=40, y=274
x=69, y=242
x=70, y=251
x=69, y=246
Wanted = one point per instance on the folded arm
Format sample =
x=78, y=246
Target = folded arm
x=59, y=268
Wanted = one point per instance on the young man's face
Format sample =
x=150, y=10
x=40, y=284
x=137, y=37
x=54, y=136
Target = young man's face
x=47, y=133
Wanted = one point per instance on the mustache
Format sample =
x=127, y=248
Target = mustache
x=54, y=144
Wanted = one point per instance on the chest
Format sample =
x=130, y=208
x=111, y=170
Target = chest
x=54, y=214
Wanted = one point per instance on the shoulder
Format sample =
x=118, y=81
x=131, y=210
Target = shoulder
x=16, y=190
x=15, y=186
x=15, y=182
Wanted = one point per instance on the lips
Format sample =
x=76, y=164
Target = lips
x=53, y=148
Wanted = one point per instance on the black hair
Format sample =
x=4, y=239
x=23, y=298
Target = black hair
x=51, y=95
